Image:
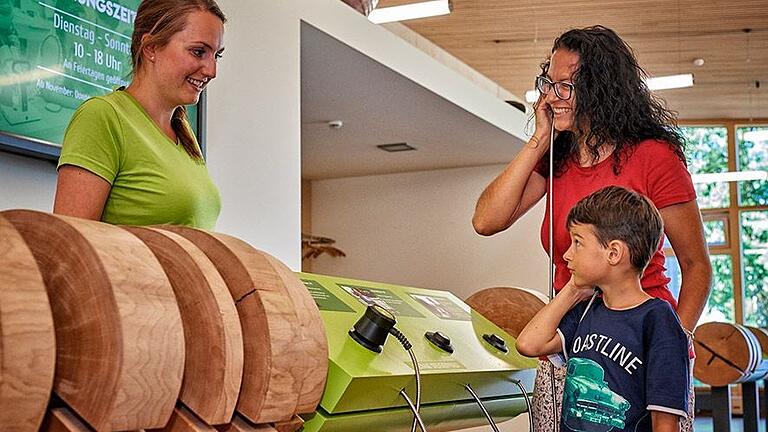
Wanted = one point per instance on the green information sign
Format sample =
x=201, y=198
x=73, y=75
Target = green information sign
x=384, y=298
x=325, y=299
x=442, y=307
x=54, y=54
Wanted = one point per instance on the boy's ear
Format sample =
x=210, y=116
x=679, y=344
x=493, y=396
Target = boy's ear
x=616, y=252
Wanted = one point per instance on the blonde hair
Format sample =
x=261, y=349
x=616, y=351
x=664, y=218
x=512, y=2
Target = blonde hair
x=156, y=22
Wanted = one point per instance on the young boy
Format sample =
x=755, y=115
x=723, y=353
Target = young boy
x=626, y=352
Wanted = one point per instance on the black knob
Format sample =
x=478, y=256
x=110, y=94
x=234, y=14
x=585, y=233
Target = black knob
x=372, y=328
x=440, y=340
x=496, y=342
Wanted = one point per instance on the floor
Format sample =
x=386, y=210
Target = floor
x=704, y=424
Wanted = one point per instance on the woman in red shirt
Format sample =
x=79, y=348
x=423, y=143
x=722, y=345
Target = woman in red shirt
x=609, y=130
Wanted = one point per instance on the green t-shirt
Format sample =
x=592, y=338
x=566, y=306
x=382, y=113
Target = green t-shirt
x=154, y=180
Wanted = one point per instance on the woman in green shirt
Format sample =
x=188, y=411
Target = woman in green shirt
x=130, y=157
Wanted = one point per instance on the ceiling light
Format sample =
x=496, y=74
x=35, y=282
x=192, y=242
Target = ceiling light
x=531, y=96
x=410, y=11
x=670, y=82
x=656, y=83
x=729, y=176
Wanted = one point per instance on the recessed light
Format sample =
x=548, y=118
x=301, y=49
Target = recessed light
x=396, y=147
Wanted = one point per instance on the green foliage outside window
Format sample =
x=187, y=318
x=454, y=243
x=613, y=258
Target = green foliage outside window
x=752, y=144
x=754, y=228
x=707, y=152
x=720, y=306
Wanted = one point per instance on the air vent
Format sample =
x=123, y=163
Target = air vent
x=397, y=147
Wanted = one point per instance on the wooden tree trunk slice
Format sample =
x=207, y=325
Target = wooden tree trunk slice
x=27, y=340
x=725, y=353
x=274, y=362
x=313, y=342
x=508, y=307
x=119, y=338
x=184, y=420
x=63, y=420
x=240, y=424
x=213, y=369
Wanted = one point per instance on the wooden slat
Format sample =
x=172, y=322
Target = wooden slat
x=184, y=420
x=63, y=420
x=240, y=424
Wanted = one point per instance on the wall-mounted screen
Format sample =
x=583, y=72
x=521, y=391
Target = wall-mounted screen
x=54, y=54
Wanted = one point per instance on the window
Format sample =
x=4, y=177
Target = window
x=735, y=216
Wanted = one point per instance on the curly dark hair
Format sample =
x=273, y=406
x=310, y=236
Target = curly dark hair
x=613, y=102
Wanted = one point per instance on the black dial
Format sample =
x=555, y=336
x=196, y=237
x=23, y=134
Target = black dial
x=496, y=342
x=440, y=340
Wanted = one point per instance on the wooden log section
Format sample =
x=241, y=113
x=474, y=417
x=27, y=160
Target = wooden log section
x=762, y=337
x=313, y=340
x=27, y=341
x=508, y=307
x=213, y=369
x=727, y=353
x=286, y=354
x=119, y=338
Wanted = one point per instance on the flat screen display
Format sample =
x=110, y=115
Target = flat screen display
x=54, y=54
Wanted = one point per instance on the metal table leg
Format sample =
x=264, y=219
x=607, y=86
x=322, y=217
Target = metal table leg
x=721, y=409
x=750, y=402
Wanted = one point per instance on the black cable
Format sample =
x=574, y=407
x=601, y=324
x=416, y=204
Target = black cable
x=482, y=407
x=527, y=403
x=407, y=345
x=555, y=423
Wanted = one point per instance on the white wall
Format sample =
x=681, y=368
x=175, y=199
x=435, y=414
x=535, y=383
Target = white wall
x=254, y=116
x=26, y=183
x=254, y=112
x=415, y=229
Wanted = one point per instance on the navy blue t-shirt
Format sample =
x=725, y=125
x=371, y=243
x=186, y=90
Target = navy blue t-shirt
x=622, y=364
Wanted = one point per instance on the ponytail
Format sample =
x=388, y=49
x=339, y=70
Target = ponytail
x=180, y=125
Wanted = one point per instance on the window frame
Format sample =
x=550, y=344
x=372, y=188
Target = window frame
x=731, y=214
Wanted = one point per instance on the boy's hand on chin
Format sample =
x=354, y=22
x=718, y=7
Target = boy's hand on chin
x=580, y=292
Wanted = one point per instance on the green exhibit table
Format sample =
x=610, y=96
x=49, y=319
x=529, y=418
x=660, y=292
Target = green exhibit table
x=363, y=387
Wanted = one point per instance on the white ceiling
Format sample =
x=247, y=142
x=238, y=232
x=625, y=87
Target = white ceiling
x=380, y=106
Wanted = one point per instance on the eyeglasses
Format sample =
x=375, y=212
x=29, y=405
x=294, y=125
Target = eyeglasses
x=563, y=90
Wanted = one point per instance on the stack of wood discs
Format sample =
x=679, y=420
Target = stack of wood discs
x=508, y=307
x=282, y=325
x=151, y=328
x=729, y=353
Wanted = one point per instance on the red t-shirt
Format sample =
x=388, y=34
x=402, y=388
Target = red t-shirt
x=652, y=169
